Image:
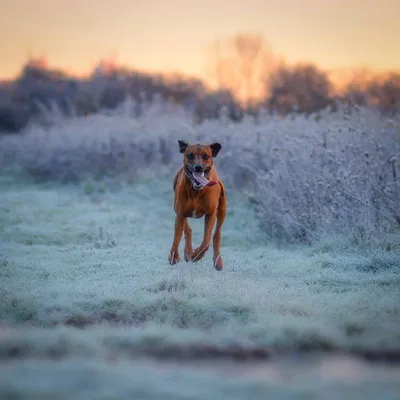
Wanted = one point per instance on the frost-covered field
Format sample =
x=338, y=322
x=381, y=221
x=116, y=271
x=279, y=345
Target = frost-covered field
x=90, y=308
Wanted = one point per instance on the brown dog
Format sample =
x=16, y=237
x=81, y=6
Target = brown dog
x=198, y=192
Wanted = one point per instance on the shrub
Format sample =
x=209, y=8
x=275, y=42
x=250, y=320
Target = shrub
x=308, y=177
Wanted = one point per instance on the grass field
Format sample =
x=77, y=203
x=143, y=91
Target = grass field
x=90, y=308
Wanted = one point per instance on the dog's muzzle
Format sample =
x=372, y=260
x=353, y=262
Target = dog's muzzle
x=197, y=175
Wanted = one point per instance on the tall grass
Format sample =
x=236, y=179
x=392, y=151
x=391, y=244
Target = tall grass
x=309, y=177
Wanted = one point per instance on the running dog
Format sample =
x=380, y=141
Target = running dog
x=198, y=192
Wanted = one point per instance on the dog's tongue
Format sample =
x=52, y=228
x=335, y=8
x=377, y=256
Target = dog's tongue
x=199, y=176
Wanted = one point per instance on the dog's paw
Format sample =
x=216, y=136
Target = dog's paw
x=218, y=263
x=199, y=253
x=173, y=258
x=188, y=255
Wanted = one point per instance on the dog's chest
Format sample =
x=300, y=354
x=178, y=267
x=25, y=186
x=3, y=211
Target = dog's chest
x=193, y=213
x=196, y=214
x=195, y=210
x=199, y=206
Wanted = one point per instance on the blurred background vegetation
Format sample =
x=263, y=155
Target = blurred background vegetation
x=245, y=76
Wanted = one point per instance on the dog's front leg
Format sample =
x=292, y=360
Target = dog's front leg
x=205, y=244
x=174, y=253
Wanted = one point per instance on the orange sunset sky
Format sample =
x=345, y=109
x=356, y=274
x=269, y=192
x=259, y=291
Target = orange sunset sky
x=173, y=35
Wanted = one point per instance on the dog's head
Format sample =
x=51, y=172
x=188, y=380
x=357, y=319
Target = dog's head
x=198, y=161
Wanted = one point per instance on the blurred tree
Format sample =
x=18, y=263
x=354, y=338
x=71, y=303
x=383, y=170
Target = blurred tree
x=385, y=93
x=302, y=88
x=355, y=88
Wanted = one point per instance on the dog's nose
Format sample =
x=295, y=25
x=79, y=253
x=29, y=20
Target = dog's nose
x=197, y=168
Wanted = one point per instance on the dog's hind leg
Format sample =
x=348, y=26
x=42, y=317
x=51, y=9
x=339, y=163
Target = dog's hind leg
x=188, y=252
x=205, y=244
x=221, y=214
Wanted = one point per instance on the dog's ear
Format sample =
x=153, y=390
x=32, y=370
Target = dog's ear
x=215, y=148
x=182, y=146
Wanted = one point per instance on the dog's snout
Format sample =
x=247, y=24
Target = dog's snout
x=198, y=168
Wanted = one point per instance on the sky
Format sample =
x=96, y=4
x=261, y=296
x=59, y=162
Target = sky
x=174, y=35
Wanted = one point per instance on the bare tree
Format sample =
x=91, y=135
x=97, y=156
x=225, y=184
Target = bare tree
x=241, y=64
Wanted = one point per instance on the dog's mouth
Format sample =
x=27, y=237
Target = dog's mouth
x=199, y=179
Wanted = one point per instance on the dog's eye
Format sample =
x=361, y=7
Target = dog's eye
x=190, y=156
x=206, y=157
